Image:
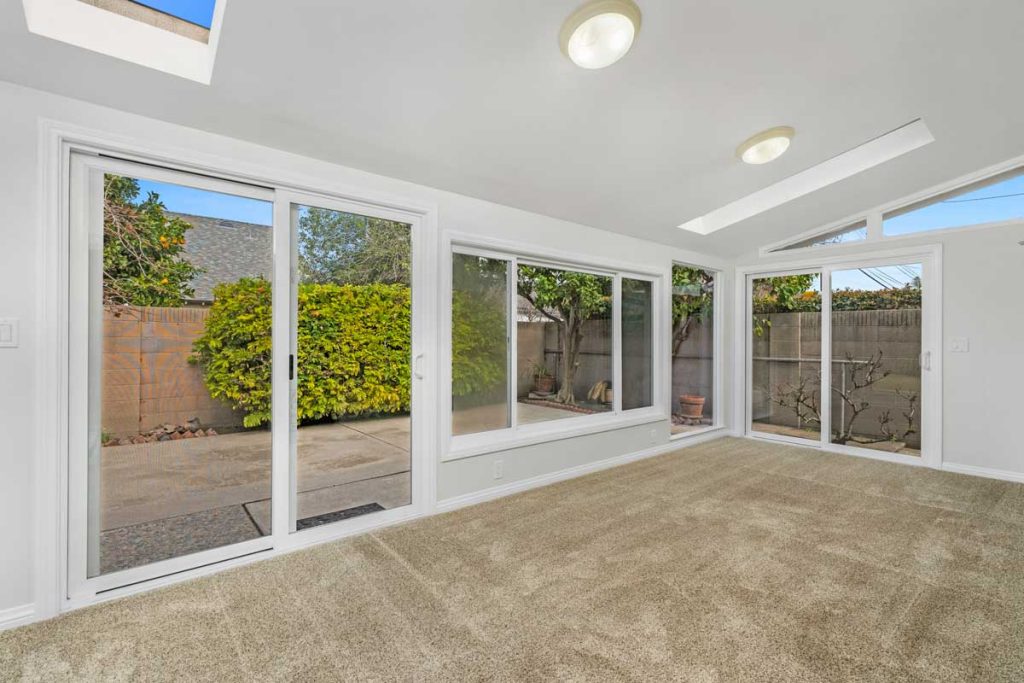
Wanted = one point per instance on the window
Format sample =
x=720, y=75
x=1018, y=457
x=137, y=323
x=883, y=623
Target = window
x=535, y=343
x=480, y=344
x=857, y=232
x=692, y=348
x=1000, y=198
x=178, y=37
x=188, y=18
x=637, y=338
x=996, y=199
x=564, y=336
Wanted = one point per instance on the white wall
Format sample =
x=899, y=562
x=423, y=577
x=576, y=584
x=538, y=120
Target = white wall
x=983, y=390
x=20, y=113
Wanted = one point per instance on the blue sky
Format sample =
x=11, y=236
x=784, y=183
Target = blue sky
x=999, y=202
x=196, y=11
x=894, y=277
x=181, y=199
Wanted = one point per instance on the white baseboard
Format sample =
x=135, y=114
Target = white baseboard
x=987, y=472
x=12, y=617
x=495, y=492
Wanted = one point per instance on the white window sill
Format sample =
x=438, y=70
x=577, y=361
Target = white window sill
x=471, y=445
x=696, y=432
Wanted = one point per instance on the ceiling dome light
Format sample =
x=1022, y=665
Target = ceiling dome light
x=766, y=146
x=600, y=32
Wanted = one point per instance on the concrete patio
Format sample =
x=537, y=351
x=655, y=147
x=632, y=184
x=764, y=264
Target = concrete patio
x=161, y=500
x=172, y=498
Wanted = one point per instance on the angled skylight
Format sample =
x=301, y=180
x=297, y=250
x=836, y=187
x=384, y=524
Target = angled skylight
x=199, y=12
x=188, y=18
x=175, y=36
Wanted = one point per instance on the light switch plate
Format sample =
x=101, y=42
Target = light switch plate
x=959, y=345
x=8, y=333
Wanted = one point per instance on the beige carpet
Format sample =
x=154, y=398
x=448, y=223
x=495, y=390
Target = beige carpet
x=733, y=560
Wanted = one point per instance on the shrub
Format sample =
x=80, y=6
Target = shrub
x=479, y=345
x=353, y=349
x=844, y=300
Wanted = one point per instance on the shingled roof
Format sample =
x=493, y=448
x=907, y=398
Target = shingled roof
x=226, y=251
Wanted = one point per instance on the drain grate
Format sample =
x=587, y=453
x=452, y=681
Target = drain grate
x=327, y=518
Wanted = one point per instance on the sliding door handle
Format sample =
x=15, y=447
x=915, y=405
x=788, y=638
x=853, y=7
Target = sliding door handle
x=926, y=360
x=417, y=366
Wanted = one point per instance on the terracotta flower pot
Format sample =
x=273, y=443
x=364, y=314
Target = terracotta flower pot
x=691, y=405
x=544, y=384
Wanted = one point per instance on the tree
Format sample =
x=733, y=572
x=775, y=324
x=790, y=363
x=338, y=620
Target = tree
x=692, y=301
x=782, y=293
x=142, y=249
x=802, y=399
x=568, y=299
x=345, y=248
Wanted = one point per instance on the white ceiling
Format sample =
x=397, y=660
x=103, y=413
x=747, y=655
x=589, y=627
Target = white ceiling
x=474, y=96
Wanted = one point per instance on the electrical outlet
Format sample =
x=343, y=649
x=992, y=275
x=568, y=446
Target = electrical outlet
x=499, y=469
x=959, y=345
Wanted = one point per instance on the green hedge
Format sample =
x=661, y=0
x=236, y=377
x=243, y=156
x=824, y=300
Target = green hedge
x=353, y=355
x=846, y=300
x=354, y=349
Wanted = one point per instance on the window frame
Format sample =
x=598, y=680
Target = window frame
x=718, y=318
x=875, y=216
x=460, y=446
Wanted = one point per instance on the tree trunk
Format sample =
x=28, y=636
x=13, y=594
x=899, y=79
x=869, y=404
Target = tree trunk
x=680, y=334
x=572, y=335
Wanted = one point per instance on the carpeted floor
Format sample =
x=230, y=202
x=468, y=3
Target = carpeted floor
x=732, y=560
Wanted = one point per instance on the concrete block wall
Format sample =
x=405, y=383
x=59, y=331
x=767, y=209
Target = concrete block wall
x=693, y=367
x=793, y=342
x=146, y=377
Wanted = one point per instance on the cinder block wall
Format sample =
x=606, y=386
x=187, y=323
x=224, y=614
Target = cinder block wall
x=793, y=341
x=146, y=377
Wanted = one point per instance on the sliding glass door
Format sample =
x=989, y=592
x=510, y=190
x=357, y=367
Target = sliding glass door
x=245, y=370
x=351, y=355
x=785, y=355
x=170, y=357
x=874, y=323
x=876, y=353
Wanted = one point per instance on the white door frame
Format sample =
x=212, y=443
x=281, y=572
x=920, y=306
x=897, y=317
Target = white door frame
x=930, y=258
x=57, y=142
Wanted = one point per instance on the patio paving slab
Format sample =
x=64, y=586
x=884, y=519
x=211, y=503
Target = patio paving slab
x=149, y=482
x=139, y=544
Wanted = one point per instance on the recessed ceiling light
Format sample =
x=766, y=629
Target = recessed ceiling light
x=600, y=32
x=768, y=145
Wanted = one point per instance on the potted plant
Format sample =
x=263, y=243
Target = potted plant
x=543, y=380
x=692, y=406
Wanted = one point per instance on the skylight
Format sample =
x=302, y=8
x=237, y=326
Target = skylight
x=199, y=12
x=174, y=36
x=187, y=18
